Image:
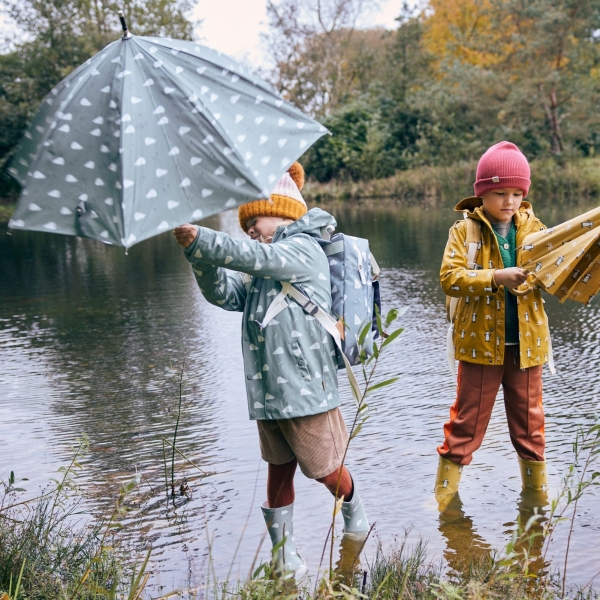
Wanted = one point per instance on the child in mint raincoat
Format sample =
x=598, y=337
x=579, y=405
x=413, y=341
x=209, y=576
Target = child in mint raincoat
x=289, y=365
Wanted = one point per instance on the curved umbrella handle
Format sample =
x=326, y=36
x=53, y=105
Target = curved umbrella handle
x=519, y=292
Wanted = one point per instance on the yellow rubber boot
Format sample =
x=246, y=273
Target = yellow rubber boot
x=446, y=482
x=533, y=475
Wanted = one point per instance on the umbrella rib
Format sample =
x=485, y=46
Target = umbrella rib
x=188, y=92
x=164, y=130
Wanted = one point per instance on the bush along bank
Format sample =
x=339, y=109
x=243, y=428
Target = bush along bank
x=569, y=182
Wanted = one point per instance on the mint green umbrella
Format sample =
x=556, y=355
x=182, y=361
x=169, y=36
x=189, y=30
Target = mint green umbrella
x=151, y=133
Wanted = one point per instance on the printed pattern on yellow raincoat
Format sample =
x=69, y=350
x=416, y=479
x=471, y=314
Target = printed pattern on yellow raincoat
x=478, y=321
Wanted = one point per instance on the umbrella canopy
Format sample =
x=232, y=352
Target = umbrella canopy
x=151, y=133
x=565, y=260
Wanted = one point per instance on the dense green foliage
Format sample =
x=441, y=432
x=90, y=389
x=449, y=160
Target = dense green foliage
x=60, y=35
x=451, y=81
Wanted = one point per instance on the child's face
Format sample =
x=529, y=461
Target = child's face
x=502, y=204
x=262, y=228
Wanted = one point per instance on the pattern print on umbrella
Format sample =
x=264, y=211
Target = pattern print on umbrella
x=565, y=260
x=151, y=133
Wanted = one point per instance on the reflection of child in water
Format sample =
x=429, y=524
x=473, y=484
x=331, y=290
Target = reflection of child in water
x=290, y=368
x=499, y=339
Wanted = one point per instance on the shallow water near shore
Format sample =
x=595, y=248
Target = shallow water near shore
x=91, y=340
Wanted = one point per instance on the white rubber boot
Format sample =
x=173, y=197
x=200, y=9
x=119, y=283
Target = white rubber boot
x=286, y=560
x=355, y=518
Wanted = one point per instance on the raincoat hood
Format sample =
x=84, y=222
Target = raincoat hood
x=313, y=223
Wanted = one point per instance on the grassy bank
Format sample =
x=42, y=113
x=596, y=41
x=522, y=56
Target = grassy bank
x=574, y=181
x=47, y=554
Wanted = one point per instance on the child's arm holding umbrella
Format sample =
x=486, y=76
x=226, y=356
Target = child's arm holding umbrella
x=458, y=280
x=290, y=259
x=220, y=287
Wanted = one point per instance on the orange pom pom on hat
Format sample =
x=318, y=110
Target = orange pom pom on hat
x=286, y=200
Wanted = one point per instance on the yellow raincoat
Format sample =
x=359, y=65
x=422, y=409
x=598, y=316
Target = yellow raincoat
x=478, y=321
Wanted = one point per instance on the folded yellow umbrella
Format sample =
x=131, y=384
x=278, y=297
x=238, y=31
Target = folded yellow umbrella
x=565, y=260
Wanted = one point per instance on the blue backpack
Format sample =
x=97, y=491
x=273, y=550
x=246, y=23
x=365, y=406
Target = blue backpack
x=354, y=294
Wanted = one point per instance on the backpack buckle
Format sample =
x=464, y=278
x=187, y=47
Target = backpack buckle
x=310, y=307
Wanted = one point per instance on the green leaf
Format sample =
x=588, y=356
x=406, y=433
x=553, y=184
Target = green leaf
x=363, y=333
x=382, y=384
x=356, y=431
x=375, y=350
x=391, y=316
x=388, y=340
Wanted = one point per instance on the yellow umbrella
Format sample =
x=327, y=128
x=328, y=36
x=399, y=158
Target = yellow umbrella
x=565, y=260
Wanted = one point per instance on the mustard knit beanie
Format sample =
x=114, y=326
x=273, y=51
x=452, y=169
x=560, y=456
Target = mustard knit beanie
x=286, y=201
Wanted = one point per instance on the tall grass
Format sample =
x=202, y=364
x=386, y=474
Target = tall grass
x=50, y=551
x=573, y=181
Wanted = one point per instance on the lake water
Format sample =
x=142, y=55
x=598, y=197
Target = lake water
x=91, y=340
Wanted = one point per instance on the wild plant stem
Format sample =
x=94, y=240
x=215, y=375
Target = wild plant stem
x=60, y=486
x=581, y=485
x=354, y=422
x=166, y=474
x=181, y=375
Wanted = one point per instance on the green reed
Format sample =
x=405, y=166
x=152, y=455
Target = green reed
x=49, y=551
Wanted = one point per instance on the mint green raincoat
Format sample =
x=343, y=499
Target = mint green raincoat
x=290, y=364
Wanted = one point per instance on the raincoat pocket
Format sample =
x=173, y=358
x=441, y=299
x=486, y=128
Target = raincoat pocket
x=299, y=360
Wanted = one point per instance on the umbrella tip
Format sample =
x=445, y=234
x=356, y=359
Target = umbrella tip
x=126, y=33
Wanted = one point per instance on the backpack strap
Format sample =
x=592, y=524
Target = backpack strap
x=330, y=324
x=324, y=318
x=472, y=241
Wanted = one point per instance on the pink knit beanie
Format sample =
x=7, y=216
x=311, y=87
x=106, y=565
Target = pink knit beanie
x=502, y=166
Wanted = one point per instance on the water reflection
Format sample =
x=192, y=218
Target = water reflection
x=91, y=340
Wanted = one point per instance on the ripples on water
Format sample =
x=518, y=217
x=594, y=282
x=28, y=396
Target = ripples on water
x=91, y=341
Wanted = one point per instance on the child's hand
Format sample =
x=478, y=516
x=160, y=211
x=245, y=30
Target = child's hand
x=185, y=234
x=510, y=278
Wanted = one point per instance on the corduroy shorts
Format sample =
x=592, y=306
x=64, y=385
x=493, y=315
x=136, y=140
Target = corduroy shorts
x=318, y=442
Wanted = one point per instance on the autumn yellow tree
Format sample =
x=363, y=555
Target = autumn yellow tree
x=468, y=31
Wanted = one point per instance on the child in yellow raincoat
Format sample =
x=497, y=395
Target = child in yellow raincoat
x=498, y=338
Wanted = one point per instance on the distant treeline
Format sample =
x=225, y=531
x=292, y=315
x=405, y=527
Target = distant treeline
x=453, y=79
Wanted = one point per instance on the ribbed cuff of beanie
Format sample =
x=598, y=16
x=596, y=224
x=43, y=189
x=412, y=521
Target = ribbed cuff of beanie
x=279, y=206
x=482, y=186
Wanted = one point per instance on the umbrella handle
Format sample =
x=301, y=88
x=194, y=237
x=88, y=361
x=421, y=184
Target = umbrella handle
x=126, y=33
x=517, y=292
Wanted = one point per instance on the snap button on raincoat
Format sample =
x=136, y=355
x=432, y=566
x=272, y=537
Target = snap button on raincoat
x=479, y=319
x=289, y=365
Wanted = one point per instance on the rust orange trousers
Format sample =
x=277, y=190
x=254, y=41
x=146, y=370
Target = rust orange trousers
x=470, y=414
